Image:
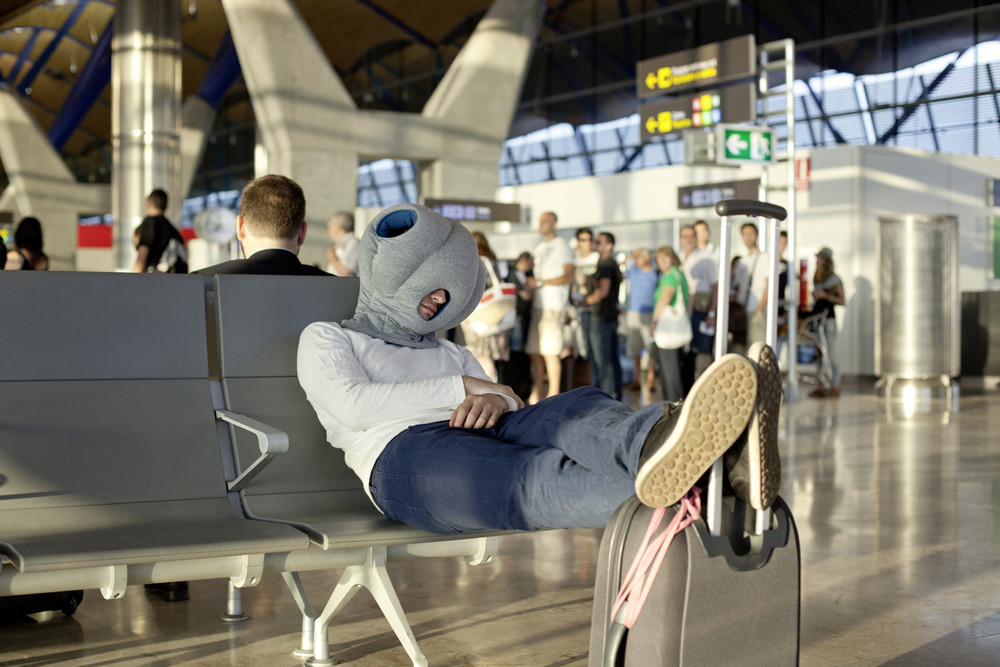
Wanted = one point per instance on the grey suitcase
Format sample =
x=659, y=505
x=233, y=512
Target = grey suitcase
x=726, y=600
x=727, y=590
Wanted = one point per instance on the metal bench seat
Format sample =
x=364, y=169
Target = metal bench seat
x=310, y=486
x=111, y=467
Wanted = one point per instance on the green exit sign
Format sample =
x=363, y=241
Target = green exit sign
x=739, y=144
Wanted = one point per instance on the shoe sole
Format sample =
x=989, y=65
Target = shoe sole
x=713, y=415
x=762, y=436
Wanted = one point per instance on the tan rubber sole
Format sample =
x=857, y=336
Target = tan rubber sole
x=765, y=459
x=713, y=415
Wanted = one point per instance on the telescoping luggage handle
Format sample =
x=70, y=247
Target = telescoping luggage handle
x=775, y=214
x=731, y=207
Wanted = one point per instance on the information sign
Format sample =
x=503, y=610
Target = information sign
x=732, y=105
x=710, y=194
x=465, y=210
x=740, y=144
x=707, y=65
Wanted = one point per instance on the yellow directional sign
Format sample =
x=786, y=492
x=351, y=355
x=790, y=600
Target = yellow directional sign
x=710, y=64
x=733, y=105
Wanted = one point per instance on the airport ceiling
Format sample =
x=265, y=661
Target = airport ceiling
x=391, y=53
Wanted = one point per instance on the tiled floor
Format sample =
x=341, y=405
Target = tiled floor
x=898, y=517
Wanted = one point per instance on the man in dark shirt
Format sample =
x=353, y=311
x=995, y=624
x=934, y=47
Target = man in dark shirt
x=271, y=227
x=156, y=239
x=605, y=366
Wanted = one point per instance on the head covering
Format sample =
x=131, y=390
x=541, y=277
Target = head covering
x=407, y=252
x=825, y=253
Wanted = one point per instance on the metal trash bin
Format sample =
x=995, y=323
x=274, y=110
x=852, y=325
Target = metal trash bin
x=918, y=317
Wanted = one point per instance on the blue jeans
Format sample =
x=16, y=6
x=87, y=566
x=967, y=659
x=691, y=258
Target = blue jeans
x=566, y=462
x=605, y=364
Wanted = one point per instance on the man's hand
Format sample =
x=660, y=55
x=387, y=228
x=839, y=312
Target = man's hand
x=474, y=386
x=478, y=411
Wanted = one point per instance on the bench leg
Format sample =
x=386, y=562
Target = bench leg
x=373, y=576
x=298, y=591
x=234, y=606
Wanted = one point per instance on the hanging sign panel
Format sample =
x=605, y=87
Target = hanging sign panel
x=707, y=65
x=732, y=105
x=710, y=194
x=467, y=210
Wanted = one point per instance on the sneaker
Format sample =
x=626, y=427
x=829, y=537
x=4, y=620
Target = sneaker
x=689, y=438
x=753, y=464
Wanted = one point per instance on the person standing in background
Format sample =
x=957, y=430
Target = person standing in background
x=642, y=279
x=605, y=364
x=702, y=273
x=27, y=254
x=704, y=235
x=551, y=283
x=491, y=349
x=753, y=284
x=828, y=291
x=343, y=254
x=673, y=285
x=585, y=260
x=156, y=240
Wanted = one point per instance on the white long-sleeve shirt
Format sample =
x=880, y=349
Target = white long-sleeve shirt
x=366, y=391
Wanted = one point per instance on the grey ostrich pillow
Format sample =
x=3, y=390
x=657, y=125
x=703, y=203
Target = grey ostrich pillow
x=407, y=252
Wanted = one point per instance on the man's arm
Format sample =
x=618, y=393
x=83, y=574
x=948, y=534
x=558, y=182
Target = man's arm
x=140, y=260
x=565, y=279
x=600, y=294
x=335, y=381
x=338, y=267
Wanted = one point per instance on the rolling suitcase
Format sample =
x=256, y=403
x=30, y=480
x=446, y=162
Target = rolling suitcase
x=726, y=591
x=21, y=605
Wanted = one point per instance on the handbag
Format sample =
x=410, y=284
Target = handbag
x=673, y=329
x=495, y=313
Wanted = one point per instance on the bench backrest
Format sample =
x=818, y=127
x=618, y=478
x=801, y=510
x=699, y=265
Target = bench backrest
x=104, y=392
x=259, y=320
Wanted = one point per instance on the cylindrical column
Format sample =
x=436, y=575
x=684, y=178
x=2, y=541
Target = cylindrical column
x=917, y=336
x=145, y=119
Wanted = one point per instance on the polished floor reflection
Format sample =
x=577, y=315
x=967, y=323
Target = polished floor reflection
x=898, y=517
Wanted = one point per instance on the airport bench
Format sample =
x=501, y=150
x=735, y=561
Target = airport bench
x=152, y=430
x=111, y=467
x=258, y=322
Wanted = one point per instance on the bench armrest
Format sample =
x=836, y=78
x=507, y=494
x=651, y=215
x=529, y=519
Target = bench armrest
x=271, y=441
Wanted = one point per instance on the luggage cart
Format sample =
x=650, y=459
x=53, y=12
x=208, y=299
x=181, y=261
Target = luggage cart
x=814, y=369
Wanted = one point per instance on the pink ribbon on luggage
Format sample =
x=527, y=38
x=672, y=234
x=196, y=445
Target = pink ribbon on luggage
x=641, y=574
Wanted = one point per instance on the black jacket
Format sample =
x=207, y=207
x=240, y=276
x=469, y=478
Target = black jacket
x=272, y=262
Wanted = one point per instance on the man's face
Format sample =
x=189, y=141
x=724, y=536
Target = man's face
x=547, y=224
x=701, y=231
x=585, y=244
x=749, y=235
x=782, y=244
x=430, y=304
x=688, y=239
x=603, y=245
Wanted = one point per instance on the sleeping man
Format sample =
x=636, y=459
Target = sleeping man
x=439, y=446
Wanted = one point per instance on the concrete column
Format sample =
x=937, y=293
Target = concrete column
x=41, y=185
x=198, y=117
x=312, y=131
x=304, y=113
x=145, y=120
x=477, y=98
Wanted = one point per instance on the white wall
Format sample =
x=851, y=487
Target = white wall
x=850, y=188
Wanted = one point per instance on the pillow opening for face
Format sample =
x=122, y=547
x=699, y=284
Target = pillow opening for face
x=396, y=223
